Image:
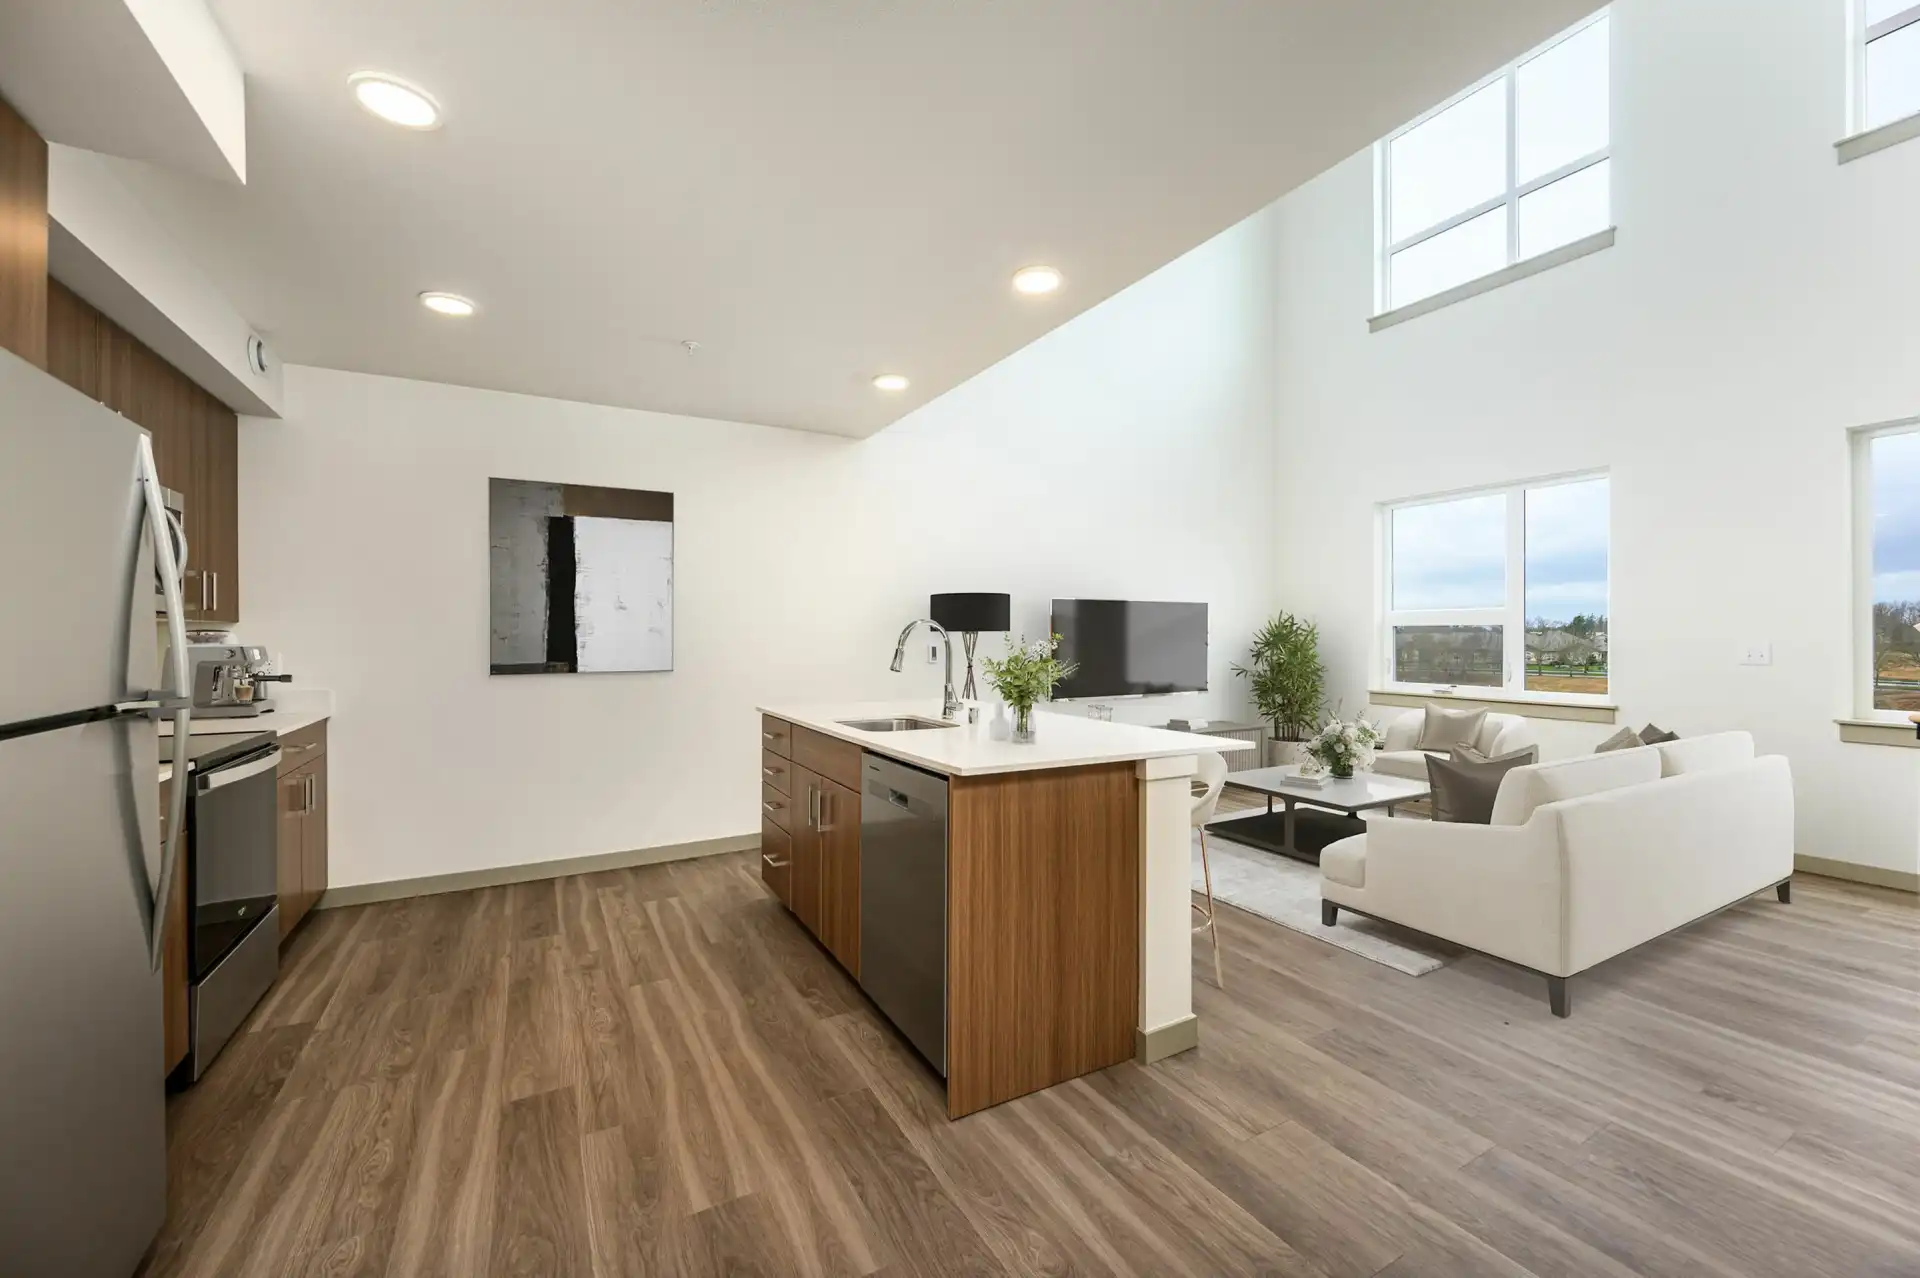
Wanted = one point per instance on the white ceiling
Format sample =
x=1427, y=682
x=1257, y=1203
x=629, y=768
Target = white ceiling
x=816, y=191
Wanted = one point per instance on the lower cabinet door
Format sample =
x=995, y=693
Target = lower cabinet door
x=805, y=900
x=839, y=831
x=292, y=852
x=776, y=861
x=313, y=840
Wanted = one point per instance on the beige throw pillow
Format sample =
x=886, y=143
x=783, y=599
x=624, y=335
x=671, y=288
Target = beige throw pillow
x=1444, y=729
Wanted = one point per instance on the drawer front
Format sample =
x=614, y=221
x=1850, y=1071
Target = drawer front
x=298, y=749
x=776, y=772
x=777, y=808
x=776, y=861
x=832, y=758
x=776, y=735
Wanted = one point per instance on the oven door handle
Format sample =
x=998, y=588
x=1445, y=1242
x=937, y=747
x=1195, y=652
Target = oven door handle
x=219, y=777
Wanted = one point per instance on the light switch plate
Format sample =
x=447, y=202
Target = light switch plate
x=1758, y=652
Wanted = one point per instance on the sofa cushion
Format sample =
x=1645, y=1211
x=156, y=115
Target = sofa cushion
x=1703, y=754
x=1528, y=788
x=1444, y=729
x=1411, y=764
x=1345, y=862
x=1465, y=785
x=1625, y=739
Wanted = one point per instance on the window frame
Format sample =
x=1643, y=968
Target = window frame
x=1859, y=36
x=1510, y=615
x=1385, y=248
x=1861, y=442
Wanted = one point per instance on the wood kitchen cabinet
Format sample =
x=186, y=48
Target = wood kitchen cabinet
x=196, y=439
x=810, y=833
x=302, y=853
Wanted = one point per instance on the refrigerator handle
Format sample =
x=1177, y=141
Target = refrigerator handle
x=163, y=529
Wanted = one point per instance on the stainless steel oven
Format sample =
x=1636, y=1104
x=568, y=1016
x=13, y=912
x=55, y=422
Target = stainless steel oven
x=233, y=945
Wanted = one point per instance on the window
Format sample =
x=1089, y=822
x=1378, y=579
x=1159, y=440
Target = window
x=1514, y=167
x=1886, y=62
x=1504, y=589
x=1887, y=548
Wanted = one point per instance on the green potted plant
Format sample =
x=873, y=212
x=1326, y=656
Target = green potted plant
x=1027, y=674
x=1288, y=682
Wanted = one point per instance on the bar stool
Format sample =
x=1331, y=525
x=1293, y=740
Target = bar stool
x=1212, y=773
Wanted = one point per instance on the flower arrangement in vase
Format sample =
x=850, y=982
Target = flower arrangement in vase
x=1026, y=675
x=1341, y=746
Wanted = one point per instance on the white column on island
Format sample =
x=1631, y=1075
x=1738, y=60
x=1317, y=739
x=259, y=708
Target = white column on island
x=1167, y=1022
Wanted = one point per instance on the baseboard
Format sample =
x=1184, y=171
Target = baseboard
x=1873, y=875
x=501, y=875
x=1168, y=1040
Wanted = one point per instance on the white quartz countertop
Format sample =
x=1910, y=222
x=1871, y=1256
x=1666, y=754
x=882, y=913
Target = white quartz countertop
x=1062, y=741
x=293, y=715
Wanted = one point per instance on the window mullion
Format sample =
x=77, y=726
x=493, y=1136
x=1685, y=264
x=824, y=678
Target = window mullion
x=1515, y=646
x=1513, y=163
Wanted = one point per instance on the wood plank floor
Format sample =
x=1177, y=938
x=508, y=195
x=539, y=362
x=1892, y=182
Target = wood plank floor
x=653, y=1072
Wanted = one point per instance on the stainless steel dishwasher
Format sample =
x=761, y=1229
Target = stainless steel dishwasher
x=903, y=900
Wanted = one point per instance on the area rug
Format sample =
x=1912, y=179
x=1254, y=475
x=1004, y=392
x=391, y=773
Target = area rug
x=1287, y=892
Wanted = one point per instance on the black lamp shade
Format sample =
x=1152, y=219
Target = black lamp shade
x=991, y=614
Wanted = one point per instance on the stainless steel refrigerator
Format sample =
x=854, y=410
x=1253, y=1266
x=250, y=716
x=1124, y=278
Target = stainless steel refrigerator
x=84, y=534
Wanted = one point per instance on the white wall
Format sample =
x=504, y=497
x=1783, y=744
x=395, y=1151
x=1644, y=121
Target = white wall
x=1129, y=453
x=1759, y=302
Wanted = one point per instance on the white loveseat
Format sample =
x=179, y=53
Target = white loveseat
x=1585, y=858
x=1499, y=734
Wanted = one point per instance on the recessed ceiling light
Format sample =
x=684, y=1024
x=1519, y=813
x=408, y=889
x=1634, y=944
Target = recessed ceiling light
x=395, y=101
x=1034, y=280
x=448, y=304
x=890, y=382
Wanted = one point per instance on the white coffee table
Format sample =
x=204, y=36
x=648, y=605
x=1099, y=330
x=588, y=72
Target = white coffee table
x=1349, y=796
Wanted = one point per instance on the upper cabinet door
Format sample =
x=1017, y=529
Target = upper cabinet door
x=215, y=497
x=195, y=439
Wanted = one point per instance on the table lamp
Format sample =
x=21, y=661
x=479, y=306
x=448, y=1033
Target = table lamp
x=967, y=615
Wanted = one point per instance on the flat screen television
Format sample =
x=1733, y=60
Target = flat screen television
x=1127, y=648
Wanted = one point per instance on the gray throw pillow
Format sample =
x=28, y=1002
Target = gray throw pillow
x=1653, y=734
x=1444, y=729
x=1467, y=754
x=1464, y=791
x=1625, y=739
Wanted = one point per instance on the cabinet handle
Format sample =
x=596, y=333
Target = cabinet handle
x=771, y=806
x=769, y=736
x=312, y=800
x=768, y=858
x=203, y=590
x=770, y=772
x=826, y=811
x=216, y=590
x=813, y=807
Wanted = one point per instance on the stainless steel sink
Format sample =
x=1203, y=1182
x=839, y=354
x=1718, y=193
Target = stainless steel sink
x=905, y=723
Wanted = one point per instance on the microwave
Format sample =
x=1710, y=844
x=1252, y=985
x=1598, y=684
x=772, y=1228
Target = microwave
x=176, y=505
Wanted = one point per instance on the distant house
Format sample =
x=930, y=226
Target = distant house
x=1560, y=648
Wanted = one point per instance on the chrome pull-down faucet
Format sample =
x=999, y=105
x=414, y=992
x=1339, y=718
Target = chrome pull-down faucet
x=949, y=703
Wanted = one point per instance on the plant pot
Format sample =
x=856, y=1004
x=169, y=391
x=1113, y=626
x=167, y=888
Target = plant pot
x=1023, y=725
x=1281, y=754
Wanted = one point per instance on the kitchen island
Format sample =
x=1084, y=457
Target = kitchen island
x=1063, y=944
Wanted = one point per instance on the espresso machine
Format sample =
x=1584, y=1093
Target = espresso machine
x=230, y=680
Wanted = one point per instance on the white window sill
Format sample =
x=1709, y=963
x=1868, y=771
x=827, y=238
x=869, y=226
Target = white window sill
x=1499, y=279
x=1880, y=732
x=1536, y=706
x=1877, y=139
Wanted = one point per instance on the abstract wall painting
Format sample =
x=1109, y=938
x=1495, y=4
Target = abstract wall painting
x=581, y=578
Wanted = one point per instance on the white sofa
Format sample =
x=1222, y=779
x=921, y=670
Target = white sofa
x=1585, y=858
x=1397, y=757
